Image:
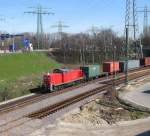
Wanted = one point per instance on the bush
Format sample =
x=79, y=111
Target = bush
x=4, y=93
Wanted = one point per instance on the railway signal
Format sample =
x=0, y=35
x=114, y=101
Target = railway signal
x=3, y=37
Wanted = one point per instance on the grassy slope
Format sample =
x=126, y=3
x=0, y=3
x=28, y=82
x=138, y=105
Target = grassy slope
x=13, y=66
x=21, y=72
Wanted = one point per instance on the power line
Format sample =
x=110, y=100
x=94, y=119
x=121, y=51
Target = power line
x=39, y=11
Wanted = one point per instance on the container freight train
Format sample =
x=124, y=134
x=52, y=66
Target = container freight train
x=61, y=78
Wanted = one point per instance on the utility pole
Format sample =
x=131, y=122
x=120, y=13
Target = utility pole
x=127, y=26
x=135, y=28
x=39, y=11
x=60, y=27
x=94, y=30
x=134, y=19
x=105, y=46
x=126, y=54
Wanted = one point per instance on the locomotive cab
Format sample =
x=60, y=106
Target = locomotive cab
x=47, y=82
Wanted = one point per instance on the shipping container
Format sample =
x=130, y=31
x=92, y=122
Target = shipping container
x=132, y=64
x=92, y=71
x=145, y=61
x=110, y=67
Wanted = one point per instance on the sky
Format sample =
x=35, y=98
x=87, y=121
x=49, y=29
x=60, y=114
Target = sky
x=79, y=15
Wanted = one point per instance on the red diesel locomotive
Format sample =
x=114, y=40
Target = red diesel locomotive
x=61, y=77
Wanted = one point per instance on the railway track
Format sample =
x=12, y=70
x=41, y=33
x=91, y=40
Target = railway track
x=54, y=108
x=5, y=108
x=62, y=104
x=8, y=107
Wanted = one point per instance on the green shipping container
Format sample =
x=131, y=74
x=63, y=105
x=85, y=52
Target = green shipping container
x=92, y=71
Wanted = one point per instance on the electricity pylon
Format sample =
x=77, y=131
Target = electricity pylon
x=60, y=25
x=131, y=19
x=131, y=30
x=145, y=10
x=39, y=11
x=131, y=24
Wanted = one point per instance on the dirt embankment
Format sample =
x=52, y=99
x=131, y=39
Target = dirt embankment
x=107, y=109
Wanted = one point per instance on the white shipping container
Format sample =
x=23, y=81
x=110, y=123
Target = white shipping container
x=133, y=64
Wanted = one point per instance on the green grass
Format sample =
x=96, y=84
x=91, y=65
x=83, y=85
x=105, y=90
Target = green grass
x=14, y=66
x=19, y=73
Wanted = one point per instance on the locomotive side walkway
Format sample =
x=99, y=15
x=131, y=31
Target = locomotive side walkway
x=138, y=95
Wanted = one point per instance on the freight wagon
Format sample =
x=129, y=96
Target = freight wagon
x=132, y=64
x=111, y=67
x=145, y=61
x=92, y=71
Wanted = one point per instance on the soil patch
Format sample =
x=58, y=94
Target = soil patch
x=105, y=110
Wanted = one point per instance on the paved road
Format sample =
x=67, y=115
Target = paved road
x=140, y=95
